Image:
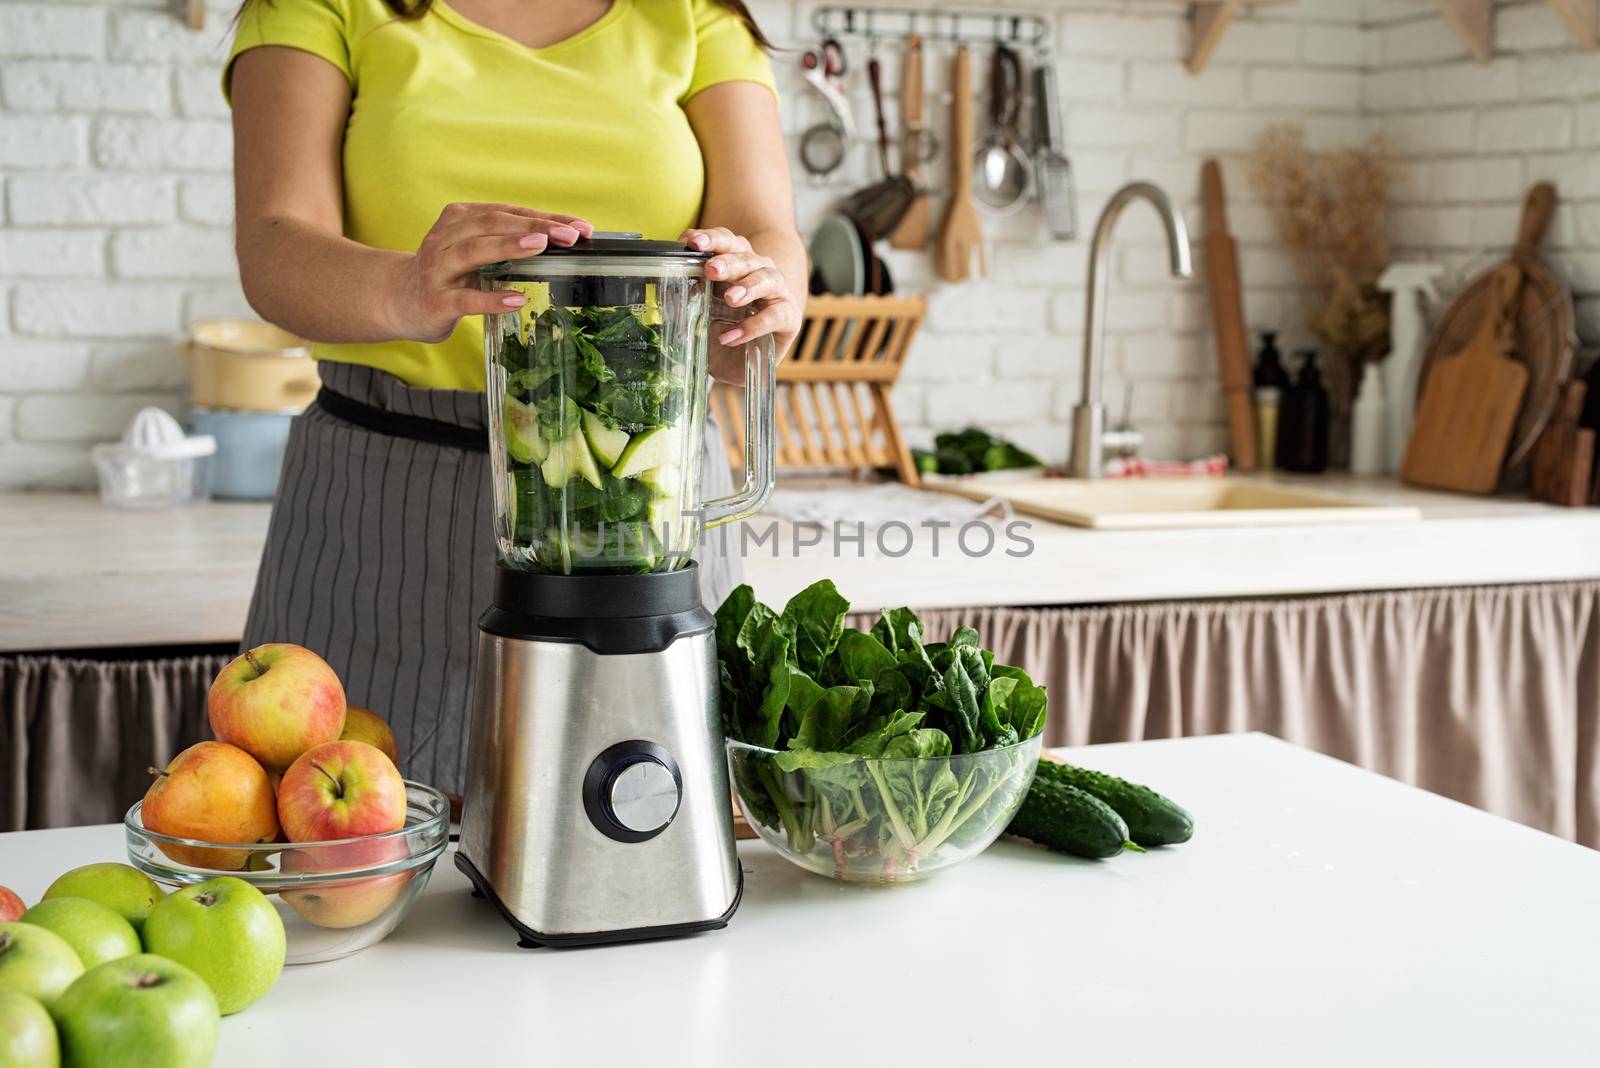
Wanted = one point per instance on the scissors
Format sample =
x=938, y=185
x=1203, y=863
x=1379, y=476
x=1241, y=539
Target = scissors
x=822, y=146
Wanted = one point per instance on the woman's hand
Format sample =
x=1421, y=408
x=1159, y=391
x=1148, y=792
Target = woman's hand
x=751, y=281
x=437, y=285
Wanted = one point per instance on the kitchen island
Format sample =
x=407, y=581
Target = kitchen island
x=1459, y=652
x=1322, y=915
x=75, y=574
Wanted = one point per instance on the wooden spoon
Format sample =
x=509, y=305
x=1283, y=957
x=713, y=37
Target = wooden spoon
x=912, y=233
x=960, y=235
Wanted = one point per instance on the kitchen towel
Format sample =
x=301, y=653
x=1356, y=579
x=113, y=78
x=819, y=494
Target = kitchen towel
x=1489, y=695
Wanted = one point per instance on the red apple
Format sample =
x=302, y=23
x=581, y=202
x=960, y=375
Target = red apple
x=350, y=902
x=341, y=790
x=275, y=702
x=11, y=906
x=213, y=792
x=364, y=725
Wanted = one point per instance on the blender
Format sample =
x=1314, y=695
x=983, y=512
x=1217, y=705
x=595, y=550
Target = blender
x=597, y=804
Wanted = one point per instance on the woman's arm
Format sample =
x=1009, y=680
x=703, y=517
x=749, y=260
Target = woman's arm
x=297, y=267
x=748, y=214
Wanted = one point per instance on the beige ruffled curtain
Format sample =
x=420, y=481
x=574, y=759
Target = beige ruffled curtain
x=77, y=735
x=1489, y=695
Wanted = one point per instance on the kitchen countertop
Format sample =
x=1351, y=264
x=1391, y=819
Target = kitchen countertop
x=74, y=574
x=1322, y=915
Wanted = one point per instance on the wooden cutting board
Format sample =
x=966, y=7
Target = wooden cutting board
x=1227, y=318
x=1545, y=335
x=1563, y=458
x=1470, y=402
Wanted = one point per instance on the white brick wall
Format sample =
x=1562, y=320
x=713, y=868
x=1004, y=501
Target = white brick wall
x=115, y=200
x=1474, y=136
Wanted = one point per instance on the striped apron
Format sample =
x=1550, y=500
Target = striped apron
x=380, y=557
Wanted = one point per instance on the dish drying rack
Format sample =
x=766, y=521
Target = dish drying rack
x=833, y=409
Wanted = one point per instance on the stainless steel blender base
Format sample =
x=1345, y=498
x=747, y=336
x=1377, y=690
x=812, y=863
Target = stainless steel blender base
x=532, y=939
x=597, y=805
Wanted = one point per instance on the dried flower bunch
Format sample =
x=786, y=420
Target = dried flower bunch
x=1331, y=209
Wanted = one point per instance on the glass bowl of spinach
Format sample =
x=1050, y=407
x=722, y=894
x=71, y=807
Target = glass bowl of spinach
x=869, y=755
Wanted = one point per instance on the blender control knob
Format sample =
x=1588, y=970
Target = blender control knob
x=643, y=795
x=632, y=791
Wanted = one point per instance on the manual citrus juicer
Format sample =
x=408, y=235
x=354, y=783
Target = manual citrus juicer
x=597, y=805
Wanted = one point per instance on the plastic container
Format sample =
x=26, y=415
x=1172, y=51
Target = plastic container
x=336, y=898
x=875, y=820
x=250, y=448
x=155, y=465
x=597, y=408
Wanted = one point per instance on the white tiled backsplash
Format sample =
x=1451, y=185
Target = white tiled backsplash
x=114, y=155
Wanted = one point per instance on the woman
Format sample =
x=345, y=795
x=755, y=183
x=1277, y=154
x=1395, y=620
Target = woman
x=383, y=151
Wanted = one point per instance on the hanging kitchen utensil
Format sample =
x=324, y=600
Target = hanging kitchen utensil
x=1470, y=402
x=824, y=144
x=960, y=235
x=1227, y=318
x=912, y=232
x=879, y=207
x=1003, y=168
x=1052, y=171
x=1546, y=327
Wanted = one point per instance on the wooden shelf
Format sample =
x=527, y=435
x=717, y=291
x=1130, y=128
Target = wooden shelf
x=1209, y=20
x=1473, y=21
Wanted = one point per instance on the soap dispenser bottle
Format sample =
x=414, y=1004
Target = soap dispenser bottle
x=1270, y=380
x=1303, y=421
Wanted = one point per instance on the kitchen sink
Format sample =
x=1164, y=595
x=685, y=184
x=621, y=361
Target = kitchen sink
x=1152, y=503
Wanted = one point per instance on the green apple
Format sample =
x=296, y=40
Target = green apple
x=124, y=890
x=27, y=1034
x=227, y=932
x=93, y=931
x=36, y=962
x=142, y=1011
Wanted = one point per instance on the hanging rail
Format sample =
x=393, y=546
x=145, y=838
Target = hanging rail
x=978, y=27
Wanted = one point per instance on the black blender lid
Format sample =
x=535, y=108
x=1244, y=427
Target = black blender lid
x=601, y=246
x=610, y=243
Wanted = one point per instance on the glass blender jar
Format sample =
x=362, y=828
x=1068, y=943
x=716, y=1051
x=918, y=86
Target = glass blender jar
x=597, y=391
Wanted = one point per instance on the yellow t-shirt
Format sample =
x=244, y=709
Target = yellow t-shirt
x=447, y=110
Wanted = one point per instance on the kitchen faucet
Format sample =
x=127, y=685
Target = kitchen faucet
x=1090, y=438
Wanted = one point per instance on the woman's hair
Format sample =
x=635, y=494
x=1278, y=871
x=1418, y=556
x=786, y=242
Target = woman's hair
x=415, y=9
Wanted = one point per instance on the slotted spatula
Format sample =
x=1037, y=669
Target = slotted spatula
x=960, y=235
x=1470, y=402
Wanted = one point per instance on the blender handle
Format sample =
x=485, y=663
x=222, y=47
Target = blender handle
x=760, y=370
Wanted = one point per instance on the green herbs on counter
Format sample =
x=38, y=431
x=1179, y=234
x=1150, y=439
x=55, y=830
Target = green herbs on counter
x=970, y=451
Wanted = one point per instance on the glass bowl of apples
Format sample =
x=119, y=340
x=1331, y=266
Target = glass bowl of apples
x=337, y=896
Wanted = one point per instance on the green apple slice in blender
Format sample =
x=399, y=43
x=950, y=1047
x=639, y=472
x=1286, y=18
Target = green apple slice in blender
x=664, y=479
x=570, y=458
x=606, y=443
x=648, y=449
x=524, y=443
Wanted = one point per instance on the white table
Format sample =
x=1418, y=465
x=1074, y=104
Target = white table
x=1321, y=916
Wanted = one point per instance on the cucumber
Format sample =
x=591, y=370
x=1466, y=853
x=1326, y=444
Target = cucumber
x=648, y=449
x=1152, y=820
x=606, y=443
x=1069, y=820
x=523, y=440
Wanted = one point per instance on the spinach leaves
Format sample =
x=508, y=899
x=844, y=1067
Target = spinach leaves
x=580, y=385
x=884, y=746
